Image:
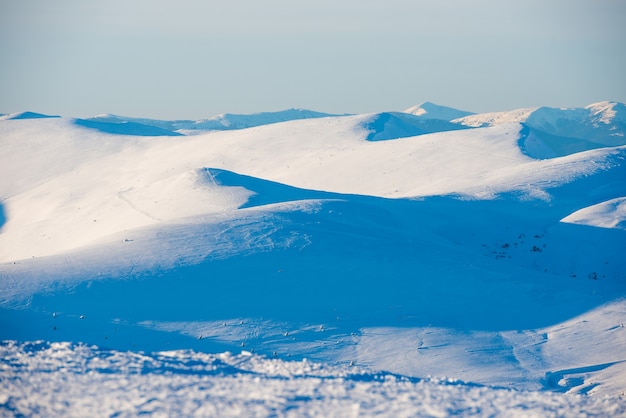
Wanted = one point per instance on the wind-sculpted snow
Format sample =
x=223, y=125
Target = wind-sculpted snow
x=60, y=379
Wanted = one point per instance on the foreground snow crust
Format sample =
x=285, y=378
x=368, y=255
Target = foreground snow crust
x=62, y=379
x=383, y=248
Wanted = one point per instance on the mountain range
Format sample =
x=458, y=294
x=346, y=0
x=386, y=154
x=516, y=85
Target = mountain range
x=423, y=247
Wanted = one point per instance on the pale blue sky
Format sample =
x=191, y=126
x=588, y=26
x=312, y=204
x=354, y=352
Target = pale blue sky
x=197, y=58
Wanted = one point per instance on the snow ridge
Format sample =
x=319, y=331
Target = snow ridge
x=428, y=110
x=601, y=123
x=225, y=121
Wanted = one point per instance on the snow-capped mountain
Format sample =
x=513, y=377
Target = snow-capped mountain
x=487, y=249
x=553, y=120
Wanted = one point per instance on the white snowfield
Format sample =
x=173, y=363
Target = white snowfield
x=395, y=251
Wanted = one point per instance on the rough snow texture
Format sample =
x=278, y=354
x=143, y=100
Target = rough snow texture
x=59, y=379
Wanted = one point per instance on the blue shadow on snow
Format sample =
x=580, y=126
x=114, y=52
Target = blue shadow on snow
x=125, y=128
x=352, y=262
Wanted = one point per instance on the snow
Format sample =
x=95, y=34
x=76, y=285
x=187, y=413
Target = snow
x=608, y=112
x=421, y=266
x=543, y=356
x=225, y=121
x=393, y=125
x=428, y=110
x=496, y=118
x=597, y=125
x=113, y=183
x=25, y=115
x=125, y=128
x=609, y=214
x=79, y=380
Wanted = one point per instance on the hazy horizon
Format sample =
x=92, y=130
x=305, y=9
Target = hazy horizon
x=193, y=59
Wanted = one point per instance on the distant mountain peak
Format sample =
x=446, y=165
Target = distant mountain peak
x=26, y=115
x=429, y=110
x=227, y=121
x=223, y=121
x=607, y=112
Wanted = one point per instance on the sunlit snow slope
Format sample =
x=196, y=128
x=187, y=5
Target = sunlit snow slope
x=487, y=248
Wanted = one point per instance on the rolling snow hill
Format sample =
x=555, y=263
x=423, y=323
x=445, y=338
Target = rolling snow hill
x=428, y=110
x=225, y=121
x=406, y=248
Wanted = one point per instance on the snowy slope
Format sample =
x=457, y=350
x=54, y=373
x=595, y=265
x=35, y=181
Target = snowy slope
x=393, y=125
x=557, y=132
x=365, y=240
x=428, y=110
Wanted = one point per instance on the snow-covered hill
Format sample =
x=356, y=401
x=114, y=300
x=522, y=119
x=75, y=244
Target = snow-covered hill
x=556, y=132
x=487, y=249
x=428, y=110
x=225, y=121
